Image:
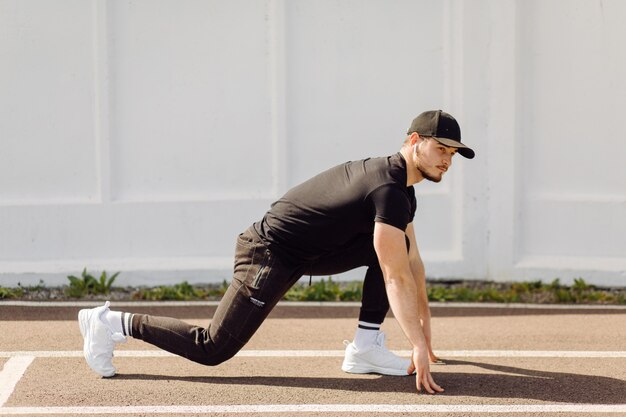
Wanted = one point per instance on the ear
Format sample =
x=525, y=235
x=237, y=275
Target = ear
x=414, y=138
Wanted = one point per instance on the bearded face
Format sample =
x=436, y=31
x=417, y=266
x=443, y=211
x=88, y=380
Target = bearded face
x=432, y=159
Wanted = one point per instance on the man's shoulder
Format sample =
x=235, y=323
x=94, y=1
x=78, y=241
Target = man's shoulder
x=389, y=169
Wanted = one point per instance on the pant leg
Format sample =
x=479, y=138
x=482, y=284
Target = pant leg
x=259, y=281
x=374, y=302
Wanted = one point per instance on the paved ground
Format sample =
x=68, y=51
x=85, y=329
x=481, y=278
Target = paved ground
x=499, y=362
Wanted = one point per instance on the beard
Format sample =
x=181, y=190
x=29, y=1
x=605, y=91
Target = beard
x=427, y=175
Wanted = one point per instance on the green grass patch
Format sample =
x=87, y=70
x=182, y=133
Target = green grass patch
x=535, y=292
x=181, y=292
x=325, y=290
x=87, y=286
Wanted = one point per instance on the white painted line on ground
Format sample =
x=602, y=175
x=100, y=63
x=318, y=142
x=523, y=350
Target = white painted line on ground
x=527, y=354
x=11, y=374
x=323, y=408
x=337, y=353
x=521, y=306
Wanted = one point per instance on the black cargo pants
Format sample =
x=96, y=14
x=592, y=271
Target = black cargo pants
x=259, y=281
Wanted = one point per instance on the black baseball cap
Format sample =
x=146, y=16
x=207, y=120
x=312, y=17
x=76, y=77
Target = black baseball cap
x=442, y=127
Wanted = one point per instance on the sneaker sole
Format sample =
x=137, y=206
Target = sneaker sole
x=373, y=370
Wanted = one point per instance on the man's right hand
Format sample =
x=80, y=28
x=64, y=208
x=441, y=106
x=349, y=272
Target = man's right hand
x=423, y=378
x=402, y=293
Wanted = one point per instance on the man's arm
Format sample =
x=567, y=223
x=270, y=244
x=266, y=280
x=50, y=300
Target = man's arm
x=402, y=292
x=419, y=274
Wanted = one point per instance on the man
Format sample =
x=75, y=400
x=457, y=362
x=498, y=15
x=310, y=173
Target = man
x=356, y=214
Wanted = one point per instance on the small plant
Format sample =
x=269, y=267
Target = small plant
x=217, y=292
x=103, y=285
x=581, y=285
x=186, y=291
x=439, y=293
x=179, y=292
x=9, y=293
x=79, y=287
x=325, y=290
x=354, y=292
x=33, y=288
x=87, y=284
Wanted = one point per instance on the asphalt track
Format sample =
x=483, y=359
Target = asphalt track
x=538, y=361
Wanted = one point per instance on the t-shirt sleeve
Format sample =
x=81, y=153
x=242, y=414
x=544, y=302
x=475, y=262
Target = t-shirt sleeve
x=392, y=207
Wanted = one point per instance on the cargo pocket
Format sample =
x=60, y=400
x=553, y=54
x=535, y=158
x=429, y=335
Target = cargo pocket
x=263, y=272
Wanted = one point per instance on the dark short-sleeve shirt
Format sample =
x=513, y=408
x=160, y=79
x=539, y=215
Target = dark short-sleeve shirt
x=337, y=206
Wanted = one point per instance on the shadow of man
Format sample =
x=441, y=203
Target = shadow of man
x=514, y=382
x=502, y=382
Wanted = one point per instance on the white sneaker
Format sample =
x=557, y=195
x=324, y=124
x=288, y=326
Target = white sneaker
x=99, y=340
x=375, y=359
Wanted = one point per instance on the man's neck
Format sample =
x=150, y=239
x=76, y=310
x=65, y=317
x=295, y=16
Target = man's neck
x=413, y=176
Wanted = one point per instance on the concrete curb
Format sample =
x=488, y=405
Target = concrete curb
x=309, y=304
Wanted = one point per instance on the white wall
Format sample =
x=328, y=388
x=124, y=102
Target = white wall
x=144, y=136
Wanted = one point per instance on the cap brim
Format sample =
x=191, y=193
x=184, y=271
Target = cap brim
x=461, y=149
